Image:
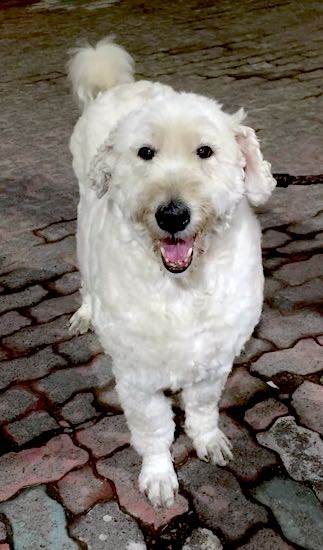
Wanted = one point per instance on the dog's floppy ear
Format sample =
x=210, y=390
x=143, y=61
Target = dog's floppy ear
x=101, y=168
x=259, y=182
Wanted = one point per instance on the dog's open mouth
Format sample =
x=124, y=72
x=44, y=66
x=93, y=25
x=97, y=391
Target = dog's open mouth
x=176, y=253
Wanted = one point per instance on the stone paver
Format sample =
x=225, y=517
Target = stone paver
x=106, y=525
x=67, y=284
x=123, y=469
x=266, y=539
x=15, y=402
x=240, y=388
x=219, y=501
x=264, y=413
x=106, y=436
x=28, y=297
x=32, y=337
x=302, y=324
x=61, y=385
x=304, y=358
x=296, y=509
x=249, y=460
x=29, y=368
x=287, y=299
x=37, y=521
x=49, y=309
x=81, y=489
x=11, y=322
x=57, y=231
x=300, y=449
x=81, y=348
x=297, y=273
x=79, y=409
x=308, y=403
x=202, y=539
x=30, y=427
x=39, y=465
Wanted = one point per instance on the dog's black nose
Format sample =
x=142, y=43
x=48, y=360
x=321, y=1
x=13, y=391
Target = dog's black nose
x=173, y=217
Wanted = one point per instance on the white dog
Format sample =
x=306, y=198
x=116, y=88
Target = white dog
x=168, y=248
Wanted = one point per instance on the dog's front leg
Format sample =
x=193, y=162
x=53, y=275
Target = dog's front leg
x=201, y=420
x=150, y=419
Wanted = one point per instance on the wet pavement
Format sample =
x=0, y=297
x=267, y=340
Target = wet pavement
x=67, y=473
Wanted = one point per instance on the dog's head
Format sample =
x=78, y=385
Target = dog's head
x=177, y=169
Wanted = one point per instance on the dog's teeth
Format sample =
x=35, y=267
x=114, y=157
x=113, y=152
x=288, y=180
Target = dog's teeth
x=189, y=252
x=162, y=249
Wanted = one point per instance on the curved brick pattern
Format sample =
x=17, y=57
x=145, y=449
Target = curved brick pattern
x=106, y=526
x=79, y=409
x=299, y=325
x=299, y=272
x=240, y=388
x=49, y=309
x=32, y=337
x=68, y=283
x=123, y=469
x=298, y=246
x=264, y=413
x=291, y=205
x=219, y=501
x=266, y=539
x=81, y=489
x=106, y=436
x=15, y=402
x=30, y=427
x=29, y=368
x=3, y=531
x=253, y=348
x=272, y=286
x=308, y=403
x=24, y=276
x=307, y=294
x=300, y=449
x=11, y=322
x=249, y=459
x=304, y=358
x=81, y=348
x=109, y=397
x=272, y=239
x=181, y=449
x=28, y=297
x=314, y=223
x=37, y=521
x=60, y=385
x=296, y=509
x=39, y=465
x=58, y=231
x=202, y=539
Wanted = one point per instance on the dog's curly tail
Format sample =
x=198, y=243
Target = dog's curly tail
x=95, y=69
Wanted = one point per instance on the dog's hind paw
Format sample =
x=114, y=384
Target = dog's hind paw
x=80, y=322
x=158, y=480
x=214, y=447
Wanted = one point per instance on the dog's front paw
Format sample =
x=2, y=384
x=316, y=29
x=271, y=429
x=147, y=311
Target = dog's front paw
x=214, y=447
x=158, y=480
x=80, y=322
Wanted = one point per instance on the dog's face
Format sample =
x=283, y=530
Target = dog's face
x=177, y=169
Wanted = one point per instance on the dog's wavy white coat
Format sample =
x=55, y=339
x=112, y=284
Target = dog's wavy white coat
x=163, y=330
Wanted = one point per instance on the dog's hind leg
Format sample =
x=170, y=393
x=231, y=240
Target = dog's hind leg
x=201, y=421
x=150, y=419
x=80, y=322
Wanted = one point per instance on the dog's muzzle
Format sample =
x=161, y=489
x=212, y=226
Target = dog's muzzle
x=177, y=253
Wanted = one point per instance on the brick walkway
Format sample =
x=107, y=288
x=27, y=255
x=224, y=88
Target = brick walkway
x=67, y=473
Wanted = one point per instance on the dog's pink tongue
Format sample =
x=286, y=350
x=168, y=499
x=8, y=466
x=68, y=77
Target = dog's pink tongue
x=176, y=251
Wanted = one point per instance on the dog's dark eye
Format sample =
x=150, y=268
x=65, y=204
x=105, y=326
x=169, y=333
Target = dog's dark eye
x=146, y=153
x=204, y=152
